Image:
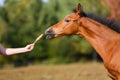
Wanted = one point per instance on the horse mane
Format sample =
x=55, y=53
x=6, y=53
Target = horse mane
x=113, y=24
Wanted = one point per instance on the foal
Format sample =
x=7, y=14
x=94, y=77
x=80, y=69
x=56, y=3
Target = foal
x=104, y=40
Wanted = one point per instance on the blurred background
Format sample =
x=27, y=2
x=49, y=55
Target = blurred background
x=21, y=21
x=64, y=58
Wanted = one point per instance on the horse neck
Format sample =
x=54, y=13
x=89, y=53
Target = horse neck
x=100, y=37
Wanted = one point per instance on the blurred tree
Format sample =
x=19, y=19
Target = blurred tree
x=22, y=19
x=22, y=23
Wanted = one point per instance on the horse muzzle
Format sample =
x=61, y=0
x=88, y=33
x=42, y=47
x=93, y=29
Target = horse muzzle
x=49, y=34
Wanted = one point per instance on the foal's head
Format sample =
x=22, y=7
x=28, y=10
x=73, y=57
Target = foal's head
x=67, y=26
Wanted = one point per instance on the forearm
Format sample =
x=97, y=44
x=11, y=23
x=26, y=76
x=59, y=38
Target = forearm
x=11, y=51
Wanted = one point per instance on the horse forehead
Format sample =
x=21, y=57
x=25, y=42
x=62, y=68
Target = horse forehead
x=72, y=16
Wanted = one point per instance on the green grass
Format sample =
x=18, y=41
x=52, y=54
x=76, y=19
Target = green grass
x=77, y=71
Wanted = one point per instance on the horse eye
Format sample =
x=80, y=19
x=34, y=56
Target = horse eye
x=67, y=20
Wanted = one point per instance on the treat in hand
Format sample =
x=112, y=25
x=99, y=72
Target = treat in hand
x=38, y=38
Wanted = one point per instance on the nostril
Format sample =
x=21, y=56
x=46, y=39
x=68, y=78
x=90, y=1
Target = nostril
x=48, y=31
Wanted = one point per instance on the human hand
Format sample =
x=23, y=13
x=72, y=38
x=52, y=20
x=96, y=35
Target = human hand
x=29, y=47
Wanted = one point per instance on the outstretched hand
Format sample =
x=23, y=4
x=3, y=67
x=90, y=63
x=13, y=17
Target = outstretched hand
x=29, y=47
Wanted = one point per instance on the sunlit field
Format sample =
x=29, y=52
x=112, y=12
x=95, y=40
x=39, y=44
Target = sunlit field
x=77, y=71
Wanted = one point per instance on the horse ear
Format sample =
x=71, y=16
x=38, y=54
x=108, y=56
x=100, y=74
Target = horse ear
x=79, y=9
